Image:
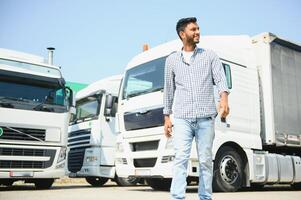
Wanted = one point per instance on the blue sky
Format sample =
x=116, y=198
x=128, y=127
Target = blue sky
x=96, y=39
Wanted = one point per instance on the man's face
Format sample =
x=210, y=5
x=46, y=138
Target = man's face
x=191, y=33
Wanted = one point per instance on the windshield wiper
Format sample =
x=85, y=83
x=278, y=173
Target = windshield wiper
x=88, y=116
x=43, y=107
x=92, y=116
x=156, y=89
x=5, y=104
x=15, y=99
x=24, y=134
x=6, y=101
x=145, y=92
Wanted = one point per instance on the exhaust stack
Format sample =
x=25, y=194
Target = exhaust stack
x=50, y=55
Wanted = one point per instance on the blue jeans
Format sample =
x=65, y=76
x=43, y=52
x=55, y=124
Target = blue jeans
x=183, y=132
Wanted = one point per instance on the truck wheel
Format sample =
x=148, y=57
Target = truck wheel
x=296, y=186
x=228, y=171
x=161, y=184
x=6, y=182
x=96, y=181
x=257, y=186
x=126, y=181
x=41, y=184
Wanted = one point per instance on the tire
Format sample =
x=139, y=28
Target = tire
x=257, y=186
x=96, y=181
x=160, y=184
x=296, y=186
x=6, y=182
x=228, y=173
x=126, y=181
x=42, y=184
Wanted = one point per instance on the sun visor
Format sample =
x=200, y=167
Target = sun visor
x=18, y=77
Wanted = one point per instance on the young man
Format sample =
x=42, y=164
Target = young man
x=189, y=76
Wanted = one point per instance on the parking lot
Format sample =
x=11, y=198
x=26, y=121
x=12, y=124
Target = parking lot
x=79, y=190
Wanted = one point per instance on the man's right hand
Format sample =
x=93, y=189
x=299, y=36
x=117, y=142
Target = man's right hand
x=167, y=126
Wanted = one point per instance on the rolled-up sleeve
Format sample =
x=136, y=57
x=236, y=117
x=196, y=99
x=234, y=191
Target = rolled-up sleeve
x=219, y=76
x=169, y=87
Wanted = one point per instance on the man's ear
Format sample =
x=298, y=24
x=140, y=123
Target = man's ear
x=182, y=34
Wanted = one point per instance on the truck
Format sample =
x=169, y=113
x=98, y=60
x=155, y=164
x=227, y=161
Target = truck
x=35, y=109
x=259, y=143
x=92, y=136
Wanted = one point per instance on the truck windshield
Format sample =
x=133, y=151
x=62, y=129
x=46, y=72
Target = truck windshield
x=22, y=95
x=144, y=78
x=87, y=108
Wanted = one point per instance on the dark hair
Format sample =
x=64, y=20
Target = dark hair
x=182, y=23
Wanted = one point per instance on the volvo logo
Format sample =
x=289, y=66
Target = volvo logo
x=1, y=131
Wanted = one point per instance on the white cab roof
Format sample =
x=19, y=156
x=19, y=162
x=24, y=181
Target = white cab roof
x=226, y=47
x=110, y=85
x=22, y=57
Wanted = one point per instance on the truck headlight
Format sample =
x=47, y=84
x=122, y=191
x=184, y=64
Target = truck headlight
x=169, y=144
x=62, y=155
x=119, y=147
x=91, y=158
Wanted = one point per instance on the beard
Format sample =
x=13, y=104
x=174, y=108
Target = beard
x=193, y=40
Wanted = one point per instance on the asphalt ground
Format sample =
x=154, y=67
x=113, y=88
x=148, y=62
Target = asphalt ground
x=80, y=190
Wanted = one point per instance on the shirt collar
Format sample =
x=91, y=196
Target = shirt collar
x=195, y=51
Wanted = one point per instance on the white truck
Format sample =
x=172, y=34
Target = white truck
x=260, y=142
x=92, y=136
x=34, y=115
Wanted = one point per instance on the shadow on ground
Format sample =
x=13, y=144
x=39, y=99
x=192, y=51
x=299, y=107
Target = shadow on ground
x=31, y=187
x=194, y=189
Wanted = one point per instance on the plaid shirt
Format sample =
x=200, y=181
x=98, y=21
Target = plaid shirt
x=190, y=86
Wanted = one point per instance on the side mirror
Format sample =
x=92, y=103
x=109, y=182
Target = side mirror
x=73, y=110
x=70, y=95
x=110, y=106
x=71, y=100
x=227, y=70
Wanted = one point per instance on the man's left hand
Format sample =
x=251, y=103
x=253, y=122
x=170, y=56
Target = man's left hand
x=224, y=109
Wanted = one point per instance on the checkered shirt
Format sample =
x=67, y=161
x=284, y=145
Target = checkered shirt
x=190, y=86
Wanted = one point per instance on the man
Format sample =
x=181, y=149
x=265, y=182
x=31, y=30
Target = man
x=189, y=77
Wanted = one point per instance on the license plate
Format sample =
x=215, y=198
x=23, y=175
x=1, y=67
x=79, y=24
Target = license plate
x=142, y=172
x=21, y=174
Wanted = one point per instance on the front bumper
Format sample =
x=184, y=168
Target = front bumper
x=26, y=161
x=97, y=171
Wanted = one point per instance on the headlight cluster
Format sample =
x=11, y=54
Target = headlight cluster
x=91, y=158
x=62, y=155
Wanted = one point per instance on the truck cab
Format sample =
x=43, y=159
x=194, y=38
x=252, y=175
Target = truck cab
x=34, y=107
x=92, y=136
x=246, y=144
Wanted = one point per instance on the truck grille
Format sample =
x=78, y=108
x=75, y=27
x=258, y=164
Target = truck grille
x=9, y=134
x=146, y=162
x=21, y=164
x=140, y=120
x=145, y=146
x=79, y=139
x=76, y=159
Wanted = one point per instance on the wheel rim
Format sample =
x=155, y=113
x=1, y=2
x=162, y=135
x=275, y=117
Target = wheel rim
x=229, y=169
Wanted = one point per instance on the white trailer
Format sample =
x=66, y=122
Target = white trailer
x=92, y=136
x=260, y=142
x=34, y=117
